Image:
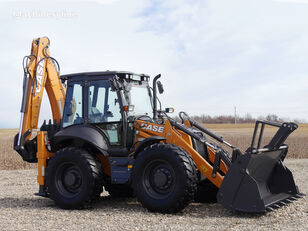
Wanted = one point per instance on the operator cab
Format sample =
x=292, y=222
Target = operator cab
x=109, y=101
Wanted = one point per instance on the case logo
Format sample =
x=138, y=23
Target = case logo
x=153, y=128
x=39, y=76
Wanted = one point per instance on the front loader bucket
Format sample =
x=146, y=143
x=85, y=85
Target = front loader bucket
x=258, y=183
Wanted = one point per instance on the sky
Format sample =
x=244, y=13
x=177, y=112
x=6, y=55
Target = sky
x=213, y=55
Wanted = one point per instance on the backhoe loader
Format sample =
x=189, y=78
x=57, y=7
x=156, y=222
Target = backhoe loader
x=110, y=132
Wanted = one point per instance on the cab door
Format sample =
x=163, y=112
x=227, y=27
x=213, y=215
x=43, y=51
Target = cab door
x=104, y=110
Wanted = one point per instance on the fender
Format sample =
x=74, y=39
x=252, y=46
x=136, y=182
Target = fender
x=83, y=132
x=148, y=141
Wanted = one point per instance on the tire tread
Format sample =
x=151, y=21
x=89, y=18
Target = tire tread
x=93, y=166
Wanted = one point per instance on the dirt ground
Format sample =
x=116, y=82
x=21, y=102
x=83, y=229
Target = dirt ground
x=21, y=210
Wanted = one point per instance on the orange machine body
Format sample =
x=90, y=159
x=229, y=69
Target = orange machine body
x=183, y=140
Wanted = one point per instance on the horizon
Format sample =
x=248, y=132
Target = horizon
x=215, y=117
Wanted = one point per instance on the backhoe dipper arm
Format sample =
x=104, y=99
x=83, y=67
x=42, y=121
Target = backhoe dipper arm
x=39, y=72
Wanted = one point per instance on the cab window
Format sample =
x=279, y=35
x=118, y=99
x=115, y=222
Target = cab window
x=103, y=103
x=73, y=112
x=104, y=110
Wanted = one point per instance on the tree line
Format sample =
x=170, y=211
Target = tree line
x=221, y=119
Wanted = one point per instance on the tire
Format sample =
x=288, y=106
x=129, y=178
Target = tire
x=206, y=192
x=164, y=178
x=120, y=191
x=74, y=178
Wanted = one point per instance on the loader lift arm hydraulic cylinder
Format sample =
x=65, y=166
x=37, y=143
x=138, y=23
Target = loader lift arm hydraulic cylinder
x=183, y=116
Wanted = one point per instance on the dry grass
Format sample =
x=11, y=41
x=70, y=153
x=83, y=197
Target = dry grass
x=9, y=159
x=240, y=135
x=237, y=134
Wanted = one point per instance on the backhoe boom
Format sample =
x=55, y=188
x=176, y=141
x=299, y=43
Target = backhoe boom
x=39, y=73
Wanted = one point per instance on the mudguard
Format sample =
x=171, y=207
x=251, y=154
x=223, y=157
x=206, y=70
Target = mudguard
x=84, y=132
x=148, y=141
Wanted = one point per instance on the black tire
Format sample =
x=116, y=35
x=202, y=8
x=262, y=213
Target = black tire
x=120, y=191
x=164, y=178
x=74, y=178
x=206, y=192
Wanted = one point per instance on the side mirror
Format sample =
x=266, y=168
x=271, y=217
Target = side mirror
x=160, y=87
x=169, y=110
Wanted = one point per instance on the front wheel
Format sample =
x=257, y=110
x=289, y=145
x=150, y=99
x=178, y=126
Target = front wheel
x=164, y=178
x=74, y=178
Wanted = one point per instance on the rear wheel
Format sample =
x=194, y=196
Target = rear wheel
x=74, y=178
x=164, y=178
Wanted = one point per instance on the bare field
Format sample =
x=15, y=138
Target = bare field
x=240, y=135
x=237, y=134
x=9, y=159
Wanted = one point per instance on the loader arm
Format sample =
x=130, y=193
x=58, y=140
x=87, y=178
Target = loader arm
x=39, y=73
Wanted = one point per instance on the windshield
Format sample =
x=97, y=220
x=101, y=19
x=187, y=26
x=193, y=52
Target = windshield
x=140, y=97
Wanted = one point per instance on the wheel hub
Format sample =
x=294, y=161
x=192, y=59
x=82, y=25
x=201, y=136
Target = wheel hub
x=162, y=178
x=72, y=179
x=159, y=178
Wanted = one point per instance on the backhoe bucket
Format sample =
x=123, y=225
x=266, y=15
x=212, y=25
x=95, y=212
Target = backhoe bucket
x=258, y=183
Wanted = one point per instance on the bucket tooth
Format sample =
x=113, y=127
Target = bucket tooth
x=276, y=206
x=300, y=195
x=269, y=209
x=282, y=203
x=288, y=200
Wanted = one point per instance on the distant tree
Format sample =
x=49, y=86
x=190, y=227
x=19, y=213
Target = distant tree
x=272, y=117
x=207, y=119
